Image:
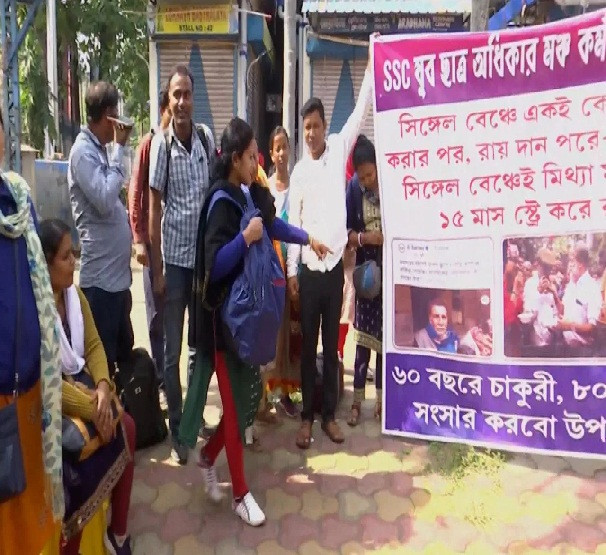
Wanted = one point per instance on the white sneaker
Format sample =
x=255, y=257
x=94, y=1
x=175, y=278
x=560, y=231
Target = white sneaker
x=212, y=484
x=249, y=511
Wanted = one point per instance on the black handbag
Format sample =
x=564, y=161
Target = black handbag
x=12, y=472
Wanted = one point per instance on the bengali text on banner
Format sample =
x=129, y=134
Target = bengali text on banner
x=491, y=149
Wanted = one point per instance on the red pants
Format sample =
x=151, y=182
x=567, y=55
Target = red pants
x=343, y=330
x=228, y=433
x=120, y=493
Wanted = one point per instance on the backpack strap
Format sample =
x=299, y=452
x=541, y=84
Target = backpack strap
x=221, y=194
x=168, y=142
x=203, y=134
x=250, y=205
x=203, y=139
x=208, y=144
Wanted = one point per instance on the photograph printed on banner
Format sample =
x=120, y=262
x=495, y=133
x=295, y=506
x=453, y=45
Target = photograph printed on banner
x=554, y=292
x=447, y=321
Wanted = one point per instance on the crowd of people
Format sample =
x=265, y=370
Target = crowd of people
x=554, y=305
x=65, y=343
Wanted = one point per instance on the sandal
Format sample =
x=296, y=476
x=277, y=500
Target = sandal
x=354, y=416
x=303, y=440
x=378, y=410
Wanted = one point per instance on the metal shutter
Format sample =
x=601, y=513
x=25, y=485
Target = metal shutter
x=358, y=67
x=326, y=74
x=212, y=66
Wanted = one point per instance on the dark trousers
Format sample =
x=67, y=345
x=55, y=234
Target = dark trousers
x=154, y=308
x=111, y=312
x=321, y=296
x=177, y=299
x=361, y=368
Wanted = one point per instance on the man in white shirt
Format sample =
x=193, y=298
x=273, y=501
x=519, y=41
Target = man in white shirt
x=582, y=302
x=317, y=204
x=541, y=300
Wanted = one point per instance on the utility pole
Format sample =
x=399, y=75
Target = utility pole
x=479, y=15
x=290, y=51
x=11, y=39
x=51, y=72
x=243, y=63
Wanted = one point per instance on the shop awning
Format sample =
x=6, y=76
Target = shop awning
x=387, y=6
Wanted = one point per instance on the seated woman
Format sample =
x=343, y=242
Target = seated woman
x=109, y=470
x=220, y=253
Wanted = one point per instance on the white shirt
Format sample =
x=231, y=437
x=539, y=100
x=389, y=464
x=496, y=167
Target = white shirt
x=280, y=197
x=582, y=303
x=544, y=307
x=317, y=192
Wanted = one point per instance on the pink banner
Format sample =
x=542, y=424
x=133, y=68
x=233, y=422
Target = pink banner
x=416, y=71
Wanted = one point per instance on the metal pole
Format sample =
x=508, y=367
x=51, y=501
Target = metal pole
x=479, y=15
x=13, y=137
x=12, y=37
x=6, y=81
x=51, y=72
x=243, y=65
x=290, y=82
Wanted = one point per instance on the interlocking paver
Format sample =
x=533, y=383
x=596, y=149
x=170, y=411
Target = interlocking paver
x=170, y=495
x=179, y=523
x=187, y=545
x=390, y=507
x=296, y=530
x=377, y=533
x=372, y=494
x=337, y=532
x=316, y=505
x=353, y=505
x=280, y=504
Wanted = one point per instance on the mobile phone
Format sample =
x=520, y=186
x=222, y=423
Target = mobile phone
x=122, y=122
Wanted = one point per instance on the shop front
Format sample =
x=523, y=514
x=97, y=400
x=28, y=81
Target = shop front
x=336, y=44
x=207, y=37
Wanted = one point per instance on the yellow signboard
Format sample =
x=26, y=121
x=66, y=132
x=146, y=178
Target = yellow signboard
x=179, y=19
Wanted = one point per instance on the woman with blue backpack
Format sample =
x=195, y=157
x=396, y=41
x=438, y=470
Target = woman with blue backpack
x=235, y=265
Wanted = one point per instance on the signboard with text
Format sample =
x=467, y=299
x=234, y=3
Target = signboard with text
x=386, y=23
x=179, y=19
x=491, y=151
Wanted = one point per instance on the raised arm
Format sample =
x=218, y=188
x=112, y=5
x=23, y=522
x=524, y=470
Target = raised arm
x=353, y=125
x=100, y=183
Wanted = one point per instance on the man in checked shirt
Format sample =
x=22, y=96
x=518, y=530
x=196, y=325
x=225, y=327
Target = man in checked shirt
x=179, y=180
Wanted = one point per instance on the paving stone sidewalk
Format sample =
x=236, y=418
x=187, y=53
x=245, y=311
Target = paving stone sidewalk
x=373, y=494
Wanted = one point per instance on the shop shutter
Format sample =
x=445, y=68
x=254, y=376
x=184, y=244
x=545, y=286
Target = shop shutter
x=337, y=83
x=212, y=66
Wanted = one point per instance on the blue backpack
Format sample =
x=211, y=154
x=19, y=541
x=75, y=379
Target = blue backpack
x=254, y=308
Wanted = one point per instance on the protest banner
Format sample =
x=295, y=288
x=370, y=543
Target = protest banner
x=491, y=151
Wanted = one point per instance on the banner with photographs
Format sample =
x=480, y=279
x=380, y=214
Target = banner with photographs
x=491, y=151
